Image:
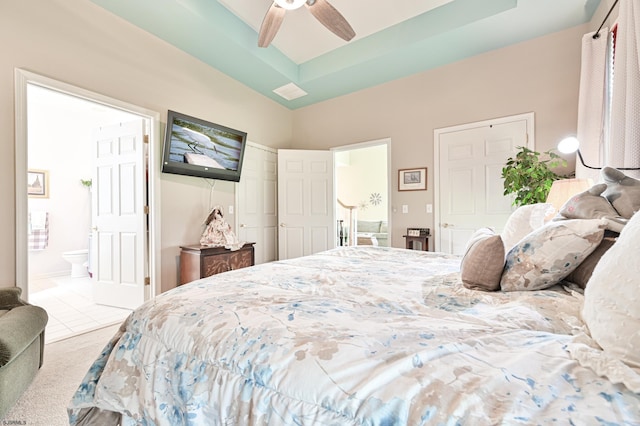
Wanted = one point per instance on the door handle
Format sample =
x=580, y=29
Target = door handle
x=282, y=225
x=242, y=225
x=447, y=225
x=94, y=229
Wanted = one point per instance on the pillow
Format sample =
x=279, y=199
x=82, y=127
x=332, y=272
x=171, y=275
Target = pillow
x=583, y=272
x=611, y=307
x=591, y=205
x=547, y=255
x=483, y=261
x=623, y=192
x=522, y=221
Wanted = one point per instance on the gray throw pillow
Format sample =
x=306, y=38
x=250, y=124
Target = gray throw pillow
x=591, y=205
x=623, y=192
x=483, y=261
x=588, y=204
x=583, y=272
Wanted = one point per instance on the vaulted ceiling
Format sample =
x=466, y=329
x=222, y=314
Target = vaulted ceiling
x=393, y=39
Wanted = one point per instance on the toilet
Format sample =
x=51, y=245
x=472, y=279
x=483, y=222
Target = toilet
x=78, y=260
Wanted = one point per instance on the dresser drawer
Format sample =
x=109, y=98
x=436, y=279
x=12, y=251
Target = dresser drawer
x=212, y=265
x=201, y=261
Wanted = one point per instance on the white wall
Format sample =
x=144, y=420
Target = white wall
x=364, y=173
x=541, y=75
x=77, y=42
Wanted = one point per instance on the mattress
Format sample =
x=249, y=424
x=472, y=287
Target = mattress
x=351, y=336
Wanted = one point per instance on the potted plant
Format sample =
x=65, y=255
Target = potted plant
x=529, y=175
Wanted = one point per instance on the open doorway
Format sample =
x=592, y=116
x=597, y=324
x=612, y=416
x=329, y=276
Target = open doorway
x=56, y=252
x=61, y=261
x=362, y=190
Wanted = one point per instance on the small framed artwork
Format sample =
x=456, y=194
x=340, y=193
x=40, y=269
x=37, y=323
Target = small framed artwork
x=38, y=183
x=412, y=179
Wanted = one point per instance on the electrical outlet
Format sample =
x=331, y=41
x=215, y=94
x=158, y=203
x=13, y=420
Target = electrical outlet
x=429, y=208
x=230, y=209
x=405, y=208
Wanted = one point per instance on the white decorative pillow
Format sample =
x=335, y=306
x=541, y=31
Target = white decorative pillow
x=522, y=221
x=483, y=261
x=547, y=255
x=612, y=306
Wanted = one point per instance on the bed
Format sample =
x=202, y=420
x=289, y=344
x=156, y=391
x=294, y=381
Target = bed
x=351, y=336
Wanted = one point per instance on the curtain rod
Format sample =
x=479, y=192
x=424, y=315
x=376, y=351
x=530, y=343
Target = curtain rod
x=597, y=34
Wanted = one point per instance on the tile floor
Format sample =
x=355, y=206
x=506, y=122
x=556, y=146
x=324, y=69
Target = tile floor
x=68, y=301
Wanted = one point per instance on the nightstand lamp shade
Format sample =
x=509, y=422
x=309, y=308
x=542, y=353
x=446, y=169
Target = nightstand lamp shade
x=562, y=190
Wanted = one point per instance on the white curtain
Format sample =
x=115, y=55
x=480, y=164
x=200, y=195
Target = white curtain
x=592, y=104
x=624, y=146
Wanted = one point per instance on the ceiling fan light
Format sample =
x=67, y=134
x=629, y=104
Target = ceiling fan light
x=290, y=4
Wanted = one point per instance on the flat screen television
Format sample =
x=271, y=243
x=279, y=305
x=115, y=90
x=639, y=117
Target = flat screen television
x=195, y=147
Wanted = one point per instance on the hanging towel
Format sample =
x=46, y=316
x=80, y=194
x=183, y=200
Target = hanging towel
x=38, y=221
x=39, y=230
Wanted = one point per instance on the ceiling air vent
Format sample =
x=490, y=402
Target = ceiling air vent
x=290, y=92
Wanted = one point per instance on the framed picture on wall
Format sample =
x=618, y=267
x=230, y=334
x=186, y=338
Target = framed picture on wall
x=38, y=183
x=412, y=179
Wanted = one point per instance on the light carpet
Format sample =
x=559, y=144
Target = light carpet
x=65, y=364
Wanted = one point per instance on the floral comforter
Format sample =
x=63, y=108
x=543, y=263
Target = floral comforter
x=351, y=336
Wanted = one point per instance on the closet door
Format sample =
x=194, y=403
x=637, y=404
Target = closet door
x=469, y=186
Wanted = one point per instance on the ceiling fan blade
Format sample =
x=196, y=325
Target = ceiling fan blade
x=331, y=18
x=270, y=25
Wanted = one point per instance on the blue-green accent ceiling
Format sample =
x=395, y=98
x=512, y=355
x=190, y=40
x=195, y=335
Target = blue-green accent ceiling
x=462, y=28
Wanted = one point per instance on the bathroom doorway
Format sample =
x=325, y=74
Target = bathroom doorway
x=60, y=163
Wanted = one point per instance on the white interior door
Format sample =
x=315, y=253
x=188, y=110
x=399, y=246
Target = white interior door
x=119, y=233
x=306, y=213
x=258, y=202
x=470, y=161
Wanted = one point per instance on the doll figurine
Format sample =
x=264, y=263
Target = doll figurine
x=217, y=232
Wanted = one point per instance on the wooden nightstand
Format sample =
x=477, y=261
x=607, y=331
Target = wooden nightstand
x=423, y=241
x=198, y=261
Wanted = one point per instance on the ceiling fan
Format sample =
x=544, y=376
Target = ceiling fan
x=320, y=9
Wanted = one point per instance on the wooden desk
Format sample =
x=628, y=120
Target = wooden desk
x=198, y=261
x=423, y=240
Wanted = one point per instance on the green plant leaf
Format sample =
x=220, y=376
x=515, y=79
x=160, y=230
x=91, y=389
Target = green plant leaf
x=529, y=176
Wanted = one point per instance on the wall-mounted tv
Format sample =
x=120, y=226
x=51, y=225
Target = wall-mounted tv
x=195, y=147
